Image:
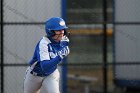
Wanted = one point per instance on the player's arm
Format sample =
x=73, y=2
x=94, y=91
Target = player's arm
x=44, y=58
x=47, y=64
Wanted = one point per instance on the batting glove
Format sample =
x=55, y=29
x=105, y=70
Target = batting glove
x=65, y=41
x=64, y=52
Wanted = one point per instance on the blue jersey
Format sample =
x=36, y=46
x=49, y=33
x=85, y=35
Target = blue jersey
x=45, y=56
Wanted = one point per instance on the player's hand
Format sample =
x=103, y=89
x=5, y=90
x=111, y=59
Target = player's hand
x=65, y=41
x=64, y=52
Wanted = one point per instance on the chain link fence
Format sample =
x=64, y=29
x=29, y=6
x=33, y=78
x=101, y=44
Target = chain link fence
x=23, y=28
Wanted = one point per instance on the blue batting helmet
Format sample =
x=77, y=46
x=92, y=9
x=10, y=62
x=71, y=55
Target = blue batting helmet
x=54, y=23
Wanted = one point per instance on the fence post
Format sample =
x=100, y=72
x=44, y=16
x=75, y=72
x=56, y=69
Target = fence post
x=64, y=76
x=105, y=45
x=2, y=58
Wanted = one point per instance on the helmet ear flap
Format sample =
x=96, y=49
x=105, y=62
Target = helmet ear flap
x=50, y=33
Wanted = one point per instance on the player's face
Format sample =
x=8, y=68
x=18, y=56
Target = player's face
x=58, y=35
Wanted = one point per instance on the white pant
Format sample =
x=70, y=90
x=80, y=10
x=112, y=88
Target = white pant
x=32, y=84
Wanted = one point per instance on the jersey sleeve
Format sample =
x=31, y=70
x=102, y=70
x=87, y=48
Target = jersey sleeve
x=43, y=50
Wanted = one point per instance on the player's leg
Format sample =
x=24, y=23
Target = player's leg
x=51, y=82
x=32, y=84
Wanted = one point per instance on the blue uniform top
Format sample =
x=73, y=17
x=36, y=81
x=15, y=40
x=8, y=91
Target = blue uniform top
x=46, y=56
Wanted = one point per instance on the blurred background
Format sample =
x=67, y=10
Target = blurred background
x=104, y=43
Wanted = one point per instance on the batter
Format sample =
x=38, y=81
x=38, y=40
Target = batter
x=49, y=52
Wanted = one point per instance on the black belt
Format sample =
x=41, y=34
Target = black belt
x=37, y=74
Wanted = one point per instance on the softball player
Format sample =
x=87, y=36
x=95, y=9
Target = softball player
x=49, y=52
